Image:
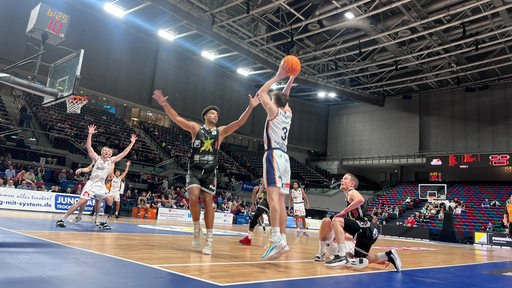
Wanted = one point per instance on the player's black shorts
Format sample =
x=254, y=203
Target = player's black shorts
x=364, y=232
x=207, y=180
x=264, y=205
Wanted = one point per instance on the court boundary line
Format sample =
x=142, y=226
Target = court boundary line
x=111, y=256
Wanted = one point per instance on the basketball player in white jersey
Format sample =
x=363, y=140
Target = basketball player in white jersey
x=117, y=186
x=276, y=163
x=95, y=186
x=297, y=199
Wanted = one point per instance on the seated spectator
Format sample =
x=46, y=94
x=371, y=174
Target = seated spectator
x=486, y=203
x=10, y=173
x=489, y=227
x=495, y=203
x=441, y=214
x=410, y=222
x=10, y=184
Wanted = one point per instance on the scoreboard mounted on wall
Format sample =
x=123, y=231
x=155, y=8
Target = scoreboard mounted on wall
x=470, y=167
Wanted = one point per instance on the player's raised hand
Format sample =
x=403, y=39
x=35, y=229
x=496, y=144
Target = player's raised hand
x=159, y=97
x=133, y=138
x=92, y=129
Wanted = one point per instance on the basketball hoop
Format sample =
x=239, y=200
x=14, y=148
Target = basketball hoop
x=75, y=103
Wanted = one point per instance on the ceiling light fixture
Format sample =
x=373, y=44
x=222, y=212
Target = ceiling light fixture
x=349, y=15
x=321, y=94
x=243, y=71
x=210, y=55
x=167, y=35
x=331, y=94
x=114, y=9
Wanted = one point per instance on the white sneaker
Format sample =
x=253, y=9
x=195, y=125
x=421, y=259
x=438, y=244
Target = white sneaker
x=197, y=238
x=275, y=250
x=358, y=263
x=77, y=219
x=207, y=250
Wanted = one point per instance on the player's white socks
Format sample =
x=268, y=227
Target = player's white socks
x=250, y=234
x=276, y=234
x=321, y=247
x=341, y=249
x=382, y=256
x=197, y=226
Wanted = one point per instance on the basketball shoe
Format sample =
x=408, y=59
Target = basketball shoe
x=77, y=219
x=60, y=223
x=246, y=241
x=197, y=238
x=105, y=226
x=275, y=250
x=319, y=258
x=358, y=263
x=394, y=259
x=337, y=261
x=207, y=250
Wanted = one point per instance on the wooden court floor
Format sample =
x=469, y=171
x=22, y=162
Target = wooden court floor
x=166, y=246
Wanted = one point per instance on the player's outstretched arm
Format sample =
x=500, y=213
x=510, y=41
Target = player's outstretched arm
x=126, y=169
x=233, y=126
x=88, y=144
x=189, y=126
x=266, y=102
x=125, y=151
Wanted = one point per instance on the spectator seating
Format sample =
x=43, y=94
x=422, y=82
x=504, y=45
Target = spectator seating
x=65, y=128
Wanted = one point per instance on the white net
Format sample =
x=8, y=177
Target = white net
x=74, y=104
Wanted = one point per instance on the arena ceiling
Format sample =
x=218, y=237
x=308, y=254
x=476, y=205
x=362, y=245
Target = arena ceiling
x=392, y=48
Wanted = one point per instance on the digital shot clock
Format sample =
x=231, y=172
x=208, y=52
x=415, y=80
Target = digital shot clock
x=47, y=24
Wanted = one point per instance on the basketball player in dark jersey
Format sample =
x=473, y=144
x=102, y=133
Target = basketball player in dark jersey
x=202, y=174
x=261, y=208
x=355, y=220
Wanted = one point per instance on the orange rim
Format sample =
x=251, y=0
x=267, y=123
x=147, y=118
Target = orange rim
x=78, y=99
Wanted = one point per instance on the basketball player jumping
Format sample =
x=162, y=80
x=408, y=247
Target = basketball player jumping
x=95, y=186
x=276, y=163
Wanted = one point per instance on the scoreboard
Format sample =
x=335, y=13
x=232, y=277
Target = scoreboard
x=470, y=167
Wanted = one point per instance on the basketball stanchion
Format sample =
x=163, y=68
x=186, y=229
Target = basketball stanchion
x=74, y=103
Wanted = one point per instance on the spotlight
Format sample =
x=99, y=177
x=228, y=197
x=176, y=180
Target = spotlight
x=349, y=15
x=166, y=34
x=114, y=9
x=243, y=71
x=321, y=94
x=331, y=94
x=210, y=55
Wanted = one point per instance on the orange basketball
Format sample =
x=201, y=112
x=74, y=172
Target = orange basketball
x=293, y=65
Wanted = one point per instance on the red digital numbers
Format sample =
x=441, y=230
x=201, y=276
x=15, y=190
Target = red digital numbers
x=436, y=176
x=499, y=160
x=54, y=26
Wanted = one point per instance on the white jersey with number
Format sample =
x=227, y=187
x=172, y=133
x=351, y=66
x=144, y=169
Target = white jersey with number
x=115, y=185
x=276, y=131
x=296, y=195
x=95, y=186
x=276, y=163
